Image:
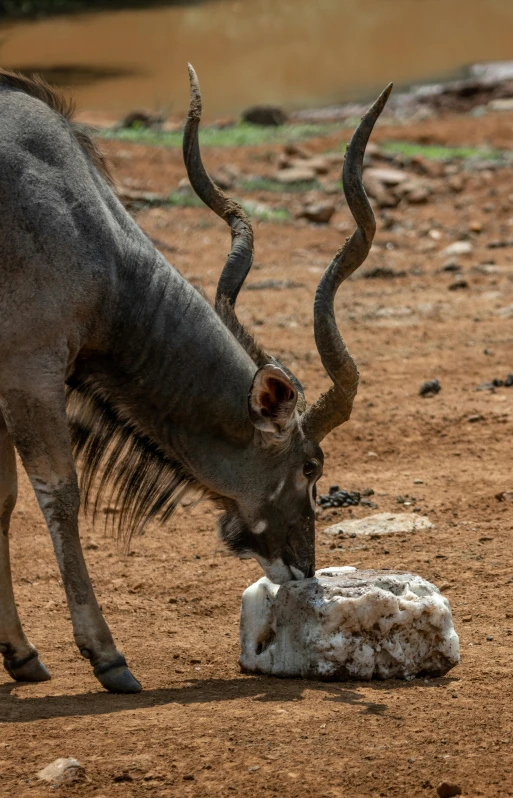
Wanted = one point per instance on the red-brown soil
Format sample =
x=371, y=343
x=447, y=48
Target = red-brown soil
x=201, y=727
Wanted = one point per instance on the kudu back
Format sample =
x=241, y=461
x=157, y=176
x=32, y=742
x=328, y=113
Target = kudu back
x=110, y=357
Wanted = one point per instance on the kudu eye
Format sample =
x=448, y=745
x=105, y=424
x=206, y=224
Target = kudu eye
x=311, y=468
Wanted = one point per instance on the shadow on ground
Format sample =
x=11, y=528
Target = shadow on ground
x=24, y=710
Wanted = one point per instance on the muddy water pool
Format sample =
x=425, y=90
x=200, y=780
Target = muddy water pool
x=297, y=53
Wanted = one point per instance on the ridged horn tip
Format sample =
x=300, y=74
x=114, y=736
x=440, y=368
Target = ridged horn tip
x=195, y=106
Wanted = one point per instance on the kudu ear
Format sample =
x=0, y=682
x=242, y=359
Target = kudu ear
x=272, y=399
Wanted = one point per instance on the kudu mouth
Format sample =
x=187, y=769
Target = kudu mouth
x=334, y=406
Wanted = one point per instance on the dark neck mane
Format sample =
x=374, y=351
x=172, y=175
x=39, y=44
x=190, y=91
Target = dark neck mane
x=124, y=405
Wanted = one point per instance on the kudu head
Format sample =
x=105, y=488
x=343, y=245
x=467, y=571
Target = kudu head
x=273, y=516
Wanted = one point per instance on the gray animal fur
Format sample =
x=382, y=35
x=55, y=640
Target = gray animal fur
x=108, y=355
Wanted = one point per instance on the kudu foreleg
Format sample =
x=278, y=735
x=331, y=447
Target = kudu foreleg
x=21, y=660
x=39, y=428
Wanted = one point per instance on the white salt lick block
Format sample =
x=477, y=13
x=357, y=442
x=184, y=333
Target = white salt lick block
x=347, y=624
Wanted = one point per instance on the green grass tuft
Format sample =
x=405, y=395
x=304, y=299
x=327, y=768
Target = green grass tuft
x=271, y=185
x=263, y=213
x=255, y=210
x=410, y=149
x=181, y=199
x=241, y=134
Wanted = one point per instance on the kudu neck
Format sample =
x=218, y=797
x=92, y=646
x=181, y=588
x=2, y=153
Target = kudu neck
x=181, y=365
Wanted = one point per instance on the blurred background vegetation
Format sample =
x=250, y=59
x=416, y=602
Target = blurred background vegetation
x=35, y=8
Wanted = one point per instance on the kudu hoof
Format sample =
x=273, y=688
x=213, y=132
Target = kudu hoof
x=116, y=678
x=27, y=669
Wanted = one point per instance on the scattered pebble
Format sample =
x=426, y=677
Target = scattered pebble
x=380, y=524
x=458, y=285
x=297, y=174
x=268, y=115
x=320, y=212
x=504, y=496
x=63, y=771
x=458, y=248
x=387, y=176
x=495, y=383
x=430, y=388
x=339, y=498
x=447, y=789
x=122, y=777
x=135, y=120
x=275, y=285
x=451, y=266
x=382, y=273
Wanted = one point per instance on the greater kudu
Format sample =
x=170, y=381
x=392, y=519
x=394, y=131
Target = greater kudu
x=108, y=355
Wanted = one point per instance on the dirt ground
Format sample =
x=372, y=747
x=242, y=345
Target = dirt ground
x=201, y=727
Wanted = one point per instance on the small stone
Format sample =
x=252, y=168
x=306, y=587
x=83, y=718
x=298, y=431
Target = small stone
x=189, y=777
x=298, y=174
x=301, y=151
x=456, y=183
x=466, y=619
x=63, y=771
x=447, y=789
x=458, y=285
x=318, y=164
x=380, y=524
x=418, y=481
x=381, y=194
x=320, y=212
x=226, y=176
x=429, y=167
x=429, y=388
x=451, y=265
x=501, y=104
x=388, y=177
x=458, y=248
x=475, y=226
x=141, y=119
x=123, y=776
x=265, y=115
x=337, y=158
x=184, y=187
x=504, y=496
x=418, y=195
